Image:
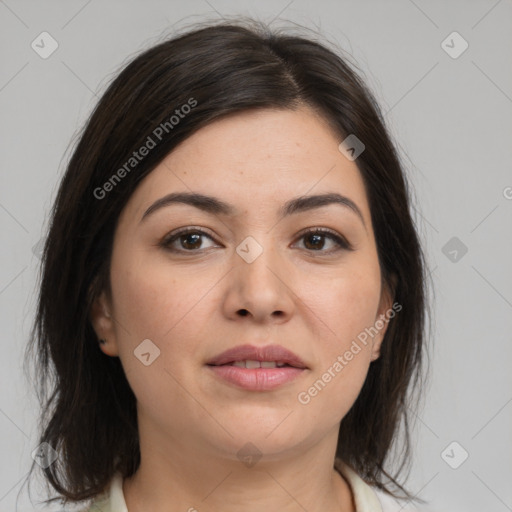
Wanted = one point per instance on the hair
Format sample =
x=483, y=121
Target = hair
x=88, y=410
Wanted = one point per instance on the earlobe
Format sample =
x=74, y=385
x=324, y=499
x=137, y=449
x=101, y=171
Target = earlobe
x=382, y=319
x=378, y=340
x=376, y=346
x=108, y=348
x=103, y=325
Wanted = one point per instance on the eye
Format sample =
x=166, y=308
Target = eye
x=190, y=240
x=314, y=240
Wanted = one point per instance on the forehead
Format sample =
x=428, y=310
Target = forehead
x=256, y=158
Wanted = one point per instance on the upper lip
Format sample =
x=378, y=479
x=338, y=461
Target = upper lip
x=252, y=353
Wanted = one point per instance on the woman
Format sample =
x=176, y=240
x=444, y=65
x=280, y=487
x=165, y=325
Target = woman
x=233, y=294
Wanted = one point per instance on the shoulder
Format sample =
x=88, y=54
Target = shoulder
x=101, y=503
x=390, y=504
x=365, y=499
x=368, y=498
x=112, y=500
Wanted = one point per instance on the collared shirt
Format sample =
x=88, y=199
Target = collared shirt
x=365, y=497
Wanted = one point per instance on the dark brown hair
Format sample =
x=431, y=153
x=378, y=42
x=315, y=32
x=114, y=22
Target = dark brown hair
x=88, y=409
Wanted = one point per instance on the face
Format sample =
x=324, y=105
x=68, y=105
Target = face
x=241, y=269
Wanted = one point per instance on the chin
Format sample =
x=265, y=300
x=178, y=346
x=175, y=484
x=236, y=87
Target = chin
x=250, y=447
x=271, y=435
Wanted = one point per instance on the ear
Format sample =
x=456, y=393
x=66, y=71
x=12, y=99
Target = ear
x=103, y=324
x=383, y=315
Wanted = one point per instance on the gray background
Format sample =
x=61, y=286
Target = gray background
x=452, y=120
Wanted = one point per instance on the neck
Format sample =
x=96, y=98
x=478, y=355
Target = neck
x=180, y=476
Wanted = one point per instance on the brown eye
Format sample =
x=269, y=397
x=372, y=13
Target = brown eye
x=189, y=240
x=315, y=240
x=192, y=240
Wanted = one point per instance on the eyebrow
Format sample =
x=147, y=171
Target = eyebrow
x=216, y=206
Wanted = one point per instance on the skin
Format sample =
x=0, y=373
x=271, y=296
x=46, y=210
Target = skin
x=312, y=299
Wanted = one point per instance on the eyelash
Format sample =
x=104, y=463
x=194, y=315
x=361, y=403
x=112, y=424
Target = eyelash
x=341, y=242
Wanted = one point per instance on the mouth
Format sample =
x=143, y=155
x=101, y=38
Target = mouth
x=257, y=368
x=248, y=363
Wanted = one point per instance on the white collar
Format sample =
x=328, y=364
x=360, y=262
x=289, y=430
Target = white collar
x=364, y=497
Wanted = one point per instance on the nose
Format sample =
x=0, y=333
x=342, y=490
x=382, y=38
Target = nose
x=260, y=290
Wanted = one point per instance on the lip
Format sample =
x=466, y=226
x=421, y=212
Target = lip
x=257, y=379
x=250, y=352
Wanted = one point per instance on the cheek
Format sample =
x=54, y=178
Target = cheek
x=144, y=303
x=345, y=311
x=151, y=295
x=164, y=304
x=153, y=303
x=346, y=306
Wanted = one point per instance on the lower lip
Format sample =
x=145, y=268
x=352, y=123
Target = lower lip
x=257, y=379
